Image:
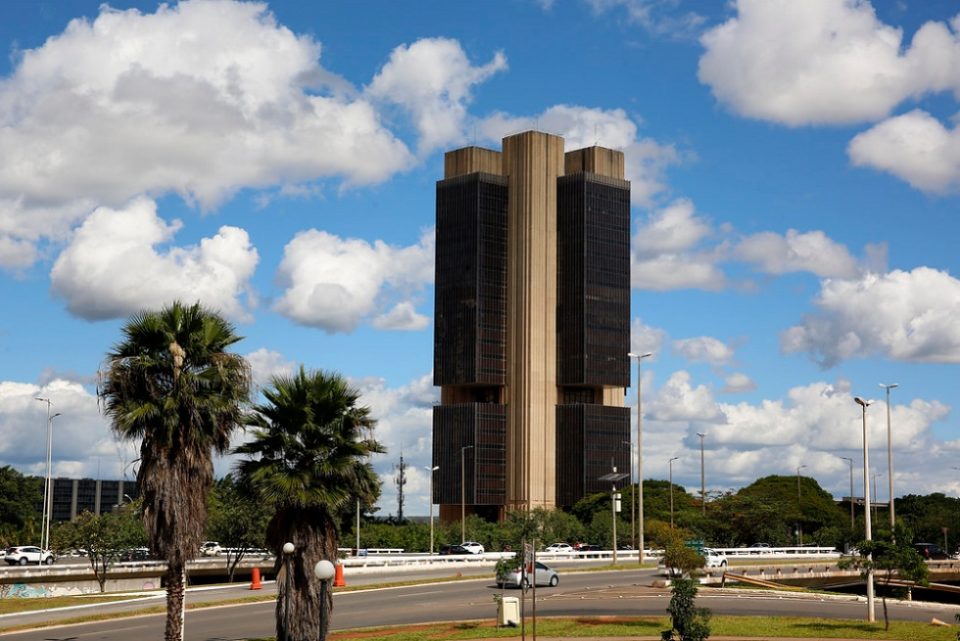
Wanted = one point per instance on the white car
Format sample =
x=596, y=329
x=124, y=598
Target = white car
x=210, y=548
x=714, y=559
x=559, y=547
x=473, y=547
x=24, y=554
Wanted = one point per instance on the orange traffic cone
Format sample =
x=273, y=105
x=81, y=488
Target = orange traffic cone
x=338, y=581
x=255, y=583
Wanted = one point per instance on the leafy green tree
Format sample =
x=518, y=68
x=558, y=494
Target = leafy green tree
x=104, y=537
x=19, y=497
x=308, y=460
x=890, y=559
x=172, y=385
x=689, y=623
x=927, y=515
x=236, y=520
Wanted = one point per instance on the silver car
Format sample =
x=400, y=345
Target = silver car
x=516, y=578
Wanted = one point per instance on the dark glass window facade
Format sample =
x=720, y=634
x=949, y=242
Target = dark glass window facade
x=593, y=280
x=75, y=496
x=589, y=438
x=482, y=426
x=471, y=281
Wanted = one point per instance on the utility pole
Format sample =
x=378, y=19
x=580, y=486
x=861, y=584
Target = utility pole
x=400, y=480
x=703, y=483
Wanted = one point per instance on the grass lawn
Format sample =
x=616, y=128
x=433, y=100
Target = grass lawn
x=9, y=606
x=760, y=627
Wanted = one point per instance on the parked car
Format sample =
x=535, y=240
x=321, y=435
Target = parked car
x=930, y=551
x=559, y=547
x=24, y=554
x=472, y=547
x=760, y=545
x=516, y=578
x=714, y=558
x=135, y=554
x=210, y=548
x=589, y=547
x=450, y=549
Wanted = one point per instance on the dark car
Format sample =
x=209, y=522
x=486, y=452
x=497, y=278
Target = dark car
x=589, y=547
x=453, y=549
x=136, y=554
x=930, y=551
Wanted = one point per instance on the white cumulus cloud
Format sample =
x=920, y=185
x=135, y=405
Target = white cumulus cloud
x=334, y=283
x=704, y=349
x=738, y=382
x=403, y=316
x=823, y=61
x=903, y=315
x=113, y=266
x=679, y=400
x=201, y=98
x=915, y=147
x=669, y=252
x=82, y=439
x=795, y=251
x=431, y=79
x=645, y=339
x=267, y=363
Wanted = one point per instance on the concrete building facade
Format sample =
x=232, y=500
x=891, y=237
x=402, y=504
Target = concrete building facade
x=532, y=325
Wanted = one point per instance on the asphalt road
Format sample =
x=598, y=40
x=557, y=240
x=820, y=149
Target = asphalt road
x=602, y=593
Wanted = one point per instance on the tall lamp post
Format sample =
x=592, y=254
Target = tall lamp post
x=639, y=459
x=431, y=470
x=288, y=549
x=850, y=460
x=868, y=529
x=324, y=571
x=48, y=482
x=888, y=387
x=463, y=492
x=633, y=511
x=799, y=509
x=670, y=465
x=876, y=495
x=613, y=477
x=703, y=483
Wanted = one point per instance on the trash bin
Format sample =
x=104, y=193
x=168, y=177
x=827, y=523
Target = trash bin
x=508, y=611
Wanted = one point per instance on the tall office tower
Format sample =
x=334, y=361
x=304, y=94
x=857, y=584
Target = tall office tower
x=532, y=325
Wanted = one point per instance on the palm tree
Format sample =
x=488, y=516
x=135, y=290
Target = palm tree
x=171, y=384
x=309, y=461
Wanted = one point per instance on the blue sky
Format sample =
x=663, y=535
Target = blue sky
x=795, y=171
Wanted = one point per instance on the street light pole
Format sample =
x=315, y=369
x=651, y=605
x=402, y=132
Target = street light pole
x=850, y=460
x=48, y=482
x=670, y=465
x=633, y=506
x=324, y=571
x=876, y=496
x=888, y=387
x=868, y=529
x=703, y=484
x=463, y=492
x=799, y=509
x=431, y=470
x=639, y=500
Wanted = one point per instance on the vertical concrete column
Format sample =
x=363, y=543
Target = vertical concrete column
x=532, y=162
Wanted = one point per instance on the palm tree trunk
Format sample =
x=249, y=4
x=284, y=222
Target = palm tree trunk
x=175, y=603
x=299, y=609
